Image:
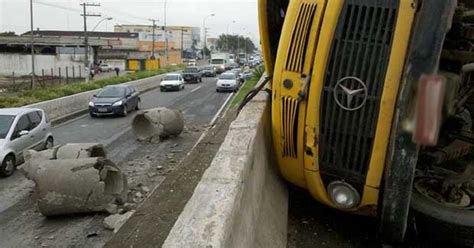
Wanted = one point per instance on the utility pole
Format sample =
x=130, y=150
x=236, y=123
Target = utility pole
x=205, y=34
x=166, y=37
x=153, y=45
x=32, y=48
x=182, y=40
x=86, y=40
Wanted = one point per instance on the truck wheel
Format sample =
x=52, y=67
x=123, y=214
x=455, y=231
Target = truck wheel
x=8, y=166
x=443, y=222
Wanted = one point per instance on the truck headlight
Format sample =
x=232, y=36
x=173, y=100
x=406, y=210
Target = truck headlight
x=117, y=103
x=91, y=103
x=343, y=195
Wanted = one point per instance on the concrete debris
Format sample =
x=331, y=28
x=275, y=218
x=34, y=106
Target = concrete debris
x=145, y=189
x=68, y=151
x=139, y=195
x=158, y=122
x=159, y=167
x=75, y=178
x=114, y=222
x=151, y=174
x=129, y=207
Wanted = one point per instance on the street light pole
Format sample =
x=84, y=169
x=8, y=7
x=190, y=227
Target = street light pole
x=153, y=39
x=205, y=34
x=32, y=47
x=99, y=22
x=227, y=38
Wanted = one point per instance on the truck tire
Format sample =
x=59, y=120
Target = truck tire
x=438, y=221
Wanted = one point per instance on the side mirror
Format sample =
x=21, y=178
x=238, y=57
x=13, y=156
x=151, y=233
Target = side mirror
x=128, y=95
x=23, y=133
x=95, y=95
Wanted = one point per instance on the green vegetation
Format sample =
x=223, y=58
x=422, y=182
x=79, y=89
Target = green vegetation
x=248, y=86
x=43, y=94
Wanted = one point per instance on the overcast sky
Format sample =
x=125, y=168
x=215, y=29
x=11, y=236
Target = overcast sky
x=65, y=14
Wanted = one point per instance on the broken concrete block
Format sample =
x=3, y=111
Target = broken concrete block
x=114, y=222
x=68, y=186
x=158, y=122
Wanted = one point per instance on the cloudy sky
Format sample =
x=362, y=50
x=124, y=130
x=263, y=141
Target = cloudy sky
x=65, y=14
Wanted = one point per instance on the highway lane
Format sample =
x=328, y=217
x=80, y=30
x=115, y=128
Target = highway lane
x=21, y=224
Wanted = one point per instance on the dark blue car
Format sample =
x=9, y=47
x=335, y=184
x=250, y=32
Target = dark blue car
x=114, y=100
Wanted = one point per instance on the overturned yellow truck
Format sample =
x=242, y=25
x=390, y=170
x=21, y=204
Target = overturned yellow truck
x=372, y=107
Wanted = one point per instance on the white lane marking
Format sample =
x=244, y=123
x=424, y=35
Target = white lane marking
x=196, y=89
x=211, y=123
x=220, y=110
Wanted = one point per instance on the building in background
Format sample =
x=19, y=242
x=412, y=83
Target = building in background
x=178, y=36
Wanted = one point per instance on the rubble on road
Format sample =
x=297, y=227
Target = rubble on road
x=158, y=122
x=114, y=222
x=75, y=178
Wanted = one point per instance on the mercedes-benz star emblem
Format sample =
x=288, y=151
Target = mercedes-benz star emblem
x=346, y=99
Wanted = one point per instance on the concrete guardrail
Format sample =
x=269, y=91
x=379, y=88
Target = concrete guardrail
x=241, y=201
x=65, y=107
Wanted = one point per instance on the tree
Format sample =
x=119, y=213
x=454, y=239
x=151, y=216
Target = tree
x=235, y=44
x=7, y=34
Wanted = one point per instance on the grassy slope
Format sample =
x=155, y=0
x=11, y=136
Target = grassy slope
x=43, y=94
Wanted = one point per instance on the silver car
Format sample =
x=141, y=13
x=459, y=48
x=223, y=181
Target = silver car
x=22, y=129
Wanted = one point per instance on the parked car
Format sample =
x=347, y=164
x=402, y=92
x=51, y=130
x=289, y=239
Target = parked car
x=22, y=129
x=227, y=81
x=192, y=74
x=172, y=81
x=105, y=68
x=115, y=100
x=209, y=71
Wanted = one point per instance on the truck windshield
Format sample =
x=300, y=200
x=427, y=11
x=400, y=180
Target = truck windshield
x=5, y=124
x=217, y=61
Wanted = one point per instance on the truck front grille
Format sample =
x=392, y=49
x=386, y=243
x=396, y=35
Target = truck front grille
x=361, y=49
x=289, y=125
x=300, y=37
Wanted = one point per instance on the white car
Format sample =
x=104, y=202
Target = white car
x=105, y=68
x=227, y=82
x=22, y=129
x=172, y=82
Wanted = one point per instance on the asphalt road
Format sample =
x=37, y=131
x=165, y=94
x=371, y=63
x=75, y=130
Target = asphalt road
x=20, y=223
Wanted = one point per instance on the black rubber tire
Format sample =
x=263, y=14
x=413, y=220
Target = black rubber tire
x=138, y=107
x=49, y=143
x=443, y=223
x=125, y=111
x=217, y=90
x=92, y=115
x=162, y=90
x=3, y=166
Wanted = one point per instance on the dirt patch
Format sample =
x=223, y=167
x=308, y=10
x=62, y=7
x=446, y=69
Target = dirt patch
x=155, y=217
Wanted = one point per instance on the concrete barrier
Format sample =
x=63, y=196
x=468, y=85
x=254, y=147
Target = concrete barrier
x=64, y=107
x=240, y=201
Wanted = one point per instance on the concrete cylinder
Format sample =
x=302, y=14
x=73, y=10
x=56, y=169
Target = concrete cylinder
x=68, y=151
x=158, y=122
x=69, y=186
